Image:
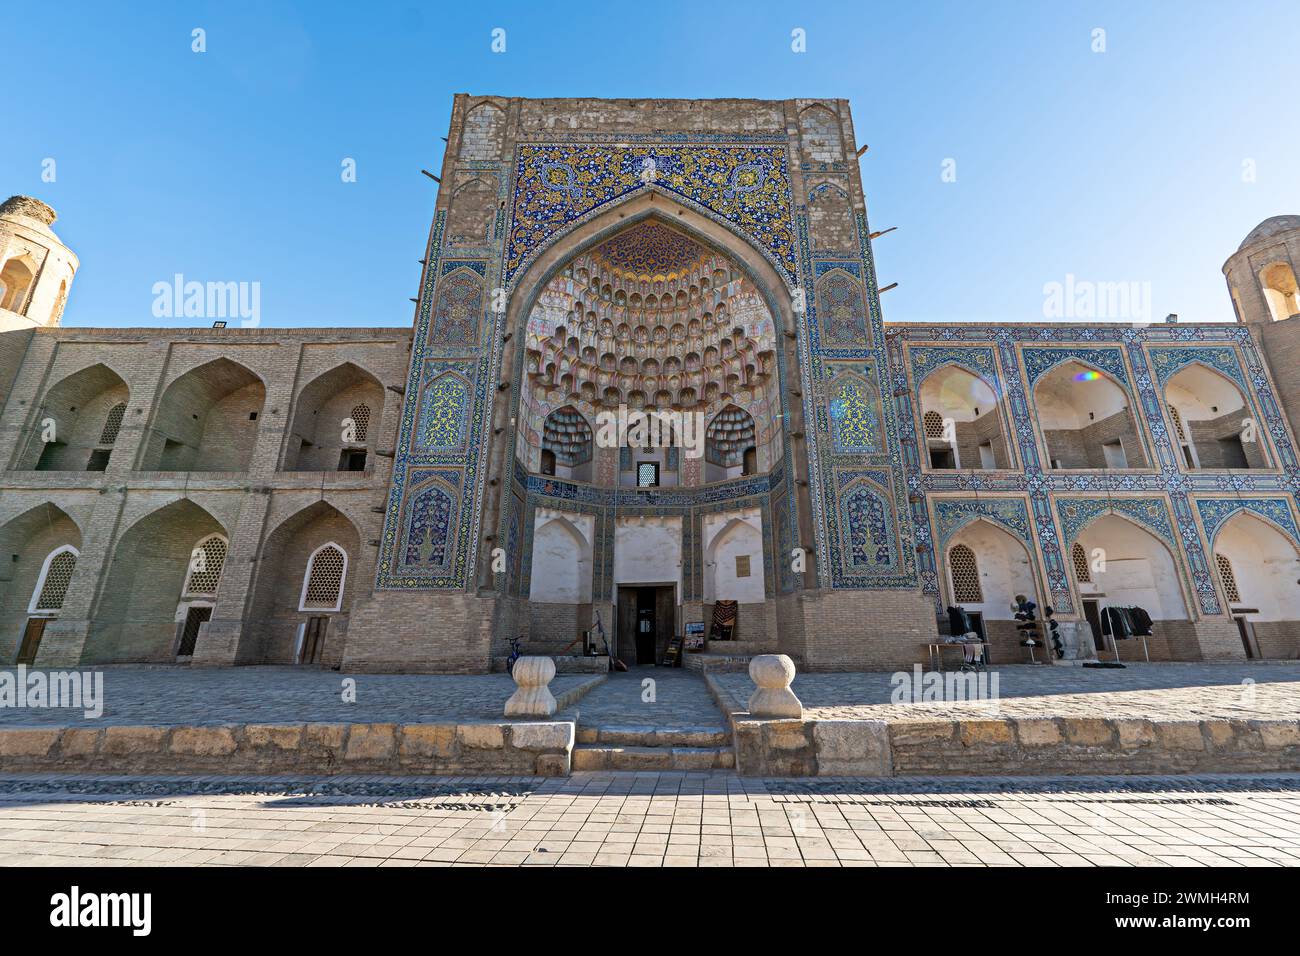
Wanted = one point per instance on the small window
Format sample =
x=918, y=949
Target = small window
x=647, y=474
x=933, y=423
x=360, y=421
x=1228, y=578
x=1082, y=570
x=742, y=565
x=352, y=459
x=99, y=459
x=942, y=458
x=252, y=416
x=322, y=586
x=548, y=462
x=56, y=575
x=206, y=562
x=965, y=576
x=1178, y=423
x=112, y=424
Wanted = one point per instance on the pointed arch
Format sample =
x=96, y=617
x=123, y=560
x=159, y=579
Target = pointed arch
x=141, y=605
x=734, y=565
x=1265, y=563
x=1211, y=418
x=841, y=303
x=206, y=420
x=1136, y=566
x=961, y=421
x=562, y=561
x=1085, y=416
x=283, y=599
x=853, y=406
x=430, y=532
x=965, y=573
x=79, y=407
x=207, y=561
x=17, y=277
x=335, y=416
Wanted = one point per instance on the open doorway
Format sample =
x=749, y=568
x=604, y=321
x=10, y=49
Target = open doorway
x=646, y=620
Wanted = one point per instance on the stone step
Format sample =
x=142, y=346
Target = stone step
x=717, y=663
x=638, y=736
x=603, y=757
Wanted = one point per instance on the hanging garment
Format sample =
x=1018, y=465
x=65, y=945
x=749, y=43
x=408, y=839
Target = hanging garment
x=1116, y=622
x=959, y=621
x=1141, y=621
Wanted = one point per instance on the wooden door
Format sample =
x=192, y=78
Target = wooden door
x=313, y=640
x=665, y=620
x=625, y=633
x=31, y=640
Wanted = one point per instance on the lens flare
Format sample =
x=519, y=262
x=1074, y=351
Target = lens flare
x=1088, y=376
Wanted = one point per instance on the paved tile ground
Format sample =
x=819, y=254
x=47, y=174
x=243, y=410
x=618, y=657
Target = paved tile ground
x=1170, y=691
x=651, y=819
x=677, y=699
x=197, y=696
x=172, y=695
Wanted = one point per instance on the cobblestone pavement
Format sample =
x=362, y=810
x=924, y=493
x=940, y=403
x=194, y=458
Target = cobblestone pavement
x=651, y=819
x=681, y=700
x=1171, y=691
x=192, y=696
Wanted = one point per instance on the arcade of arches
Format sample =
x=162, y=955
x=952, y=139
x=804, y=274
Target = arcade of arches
x=413, y=497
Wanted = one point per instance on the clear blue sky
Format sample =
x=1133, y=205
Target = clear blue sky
x=1117, y=166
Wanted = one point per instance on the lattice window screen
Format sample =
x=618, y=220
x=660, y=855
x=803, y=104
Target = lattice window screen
x=57, y=579
x=1178, y=423
x=324, y=580
x=1082, y=570
x=206, y=562
x=361, y=421
x=1228, y=578
x=965, y=576
x=112, y=424
x=933, y=422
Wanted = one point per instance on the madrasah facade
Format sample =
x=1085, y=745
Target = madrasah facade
x=411, y=498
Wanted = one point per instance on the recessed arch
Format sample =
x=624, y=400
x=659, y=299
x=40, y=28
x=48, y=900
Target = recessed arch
x=16, y=279
x=1132, y=567
x=1086, y=419
x=1210, y=420
x=206, y=420
x=142, y=609
x=562, y=561
x=1003, y=568
x=1266, y=563
x=281, y=630
x=71, y=421
x=971, y=432
x=734, y=567
x=335, y=420
x=28, y=543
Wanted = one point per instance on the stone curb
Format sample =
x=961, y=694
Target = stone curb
x=542, y=748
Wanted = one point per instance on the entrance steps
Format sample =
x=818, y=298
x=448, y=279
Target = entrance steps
x=725, y=656
x=653, y=748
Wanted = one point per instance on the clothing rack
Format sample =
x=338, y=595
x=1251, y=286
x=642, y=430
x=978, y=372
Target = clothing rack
x=1123, y=618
